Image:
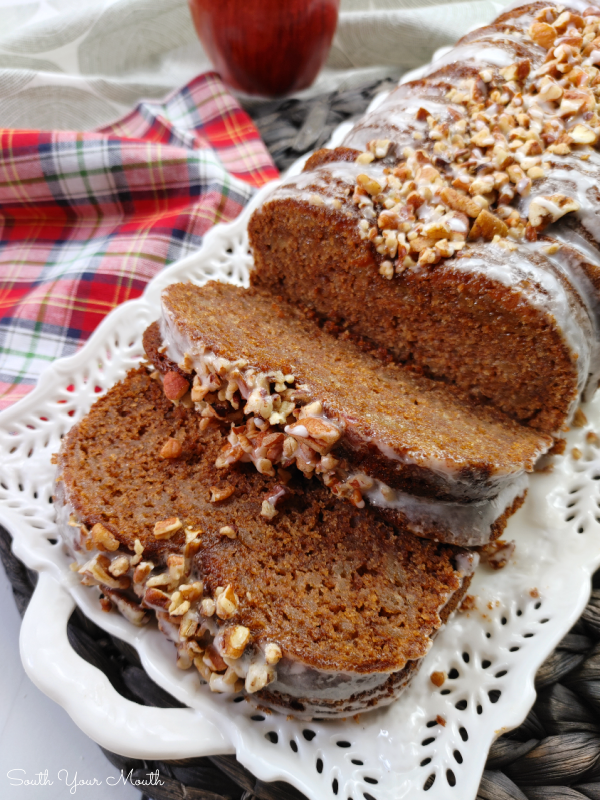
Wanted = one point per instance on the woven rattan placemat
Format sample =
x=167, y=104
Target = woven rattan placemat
x=553, y=755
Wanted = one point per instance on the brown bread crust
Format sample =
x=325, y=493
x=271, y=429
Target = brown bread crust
x=326, y=156
x=153, y=345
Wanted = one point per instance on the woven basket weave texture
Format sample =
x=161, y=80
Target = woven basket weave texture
x=553, y=755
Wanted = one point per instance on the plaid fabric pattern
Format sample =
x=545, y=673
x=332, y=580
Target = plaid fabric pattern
x=87, y=219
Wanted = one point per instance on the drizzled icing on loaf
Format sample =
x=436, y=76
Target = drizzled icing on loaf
x=503, y=153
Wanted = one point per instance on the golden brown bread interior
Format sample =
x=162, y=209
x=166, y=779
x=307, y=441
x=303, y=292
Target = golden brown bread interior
x=337, y=589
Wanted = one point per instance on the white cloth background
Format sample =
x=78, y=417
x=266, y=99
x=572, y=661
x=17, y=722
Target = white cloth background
x=78, y=64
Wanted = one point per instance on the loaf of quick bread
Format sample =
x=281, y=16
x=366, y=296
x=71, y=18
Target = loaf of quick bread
x=456, y=229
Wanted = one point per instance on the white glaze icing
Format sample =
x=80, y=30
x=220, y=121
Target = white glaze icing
x=563, y=262
x=479, y=52
x=467, y=524
x=542, y=290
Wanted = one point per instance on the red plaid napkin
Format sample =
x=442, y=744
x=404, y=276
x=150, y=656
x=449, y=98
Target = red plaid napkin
x=87, y=219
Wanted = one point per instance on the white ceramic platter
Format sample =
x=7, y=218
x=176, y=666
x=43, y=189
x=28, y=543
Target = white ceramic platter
x=492, y=652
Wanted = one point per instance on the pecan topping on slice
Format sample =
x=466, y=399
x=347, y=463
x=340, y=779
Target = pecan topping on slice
x=175, y=386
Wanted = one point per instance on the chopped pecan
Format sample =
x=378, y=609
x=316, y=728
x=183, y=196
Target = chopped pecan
x=176, y=564
x=370, y=185
x=142, y=571
x=365, y=158
x=543, y=34
x=581, y=134
x=275, y=494
x=518, y=71
x=273, y=653
x=171, y=449
x=486, y=226
x=191, y=591
x=104, y=539
x=119, y=566
x=220, y=493
x=213, y=659
x=97, y=571
x=128, y=608
x=229, y=454
x=207, y=607
x=459, y=202
x=234, y=640
x=188, y=626
x=268, y=510
x=165, y=528
x=259, y=676
x=319, y=434
x=227, y=603
x=155, y=598
x=576, y=101
x=545, y=209
x=175, y=386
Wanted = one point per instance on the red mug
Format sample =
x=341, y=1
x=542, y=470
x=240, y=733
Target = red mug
x=266, y=47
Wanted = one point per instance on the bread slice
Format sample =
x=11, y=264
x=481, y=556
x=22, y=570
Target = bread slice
x=427, y=459
x=323, y=610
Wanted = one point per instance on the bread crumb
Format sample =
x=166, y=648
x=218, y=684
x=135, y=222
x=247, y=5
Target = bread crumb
x=469, y=603
x=438, y=678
